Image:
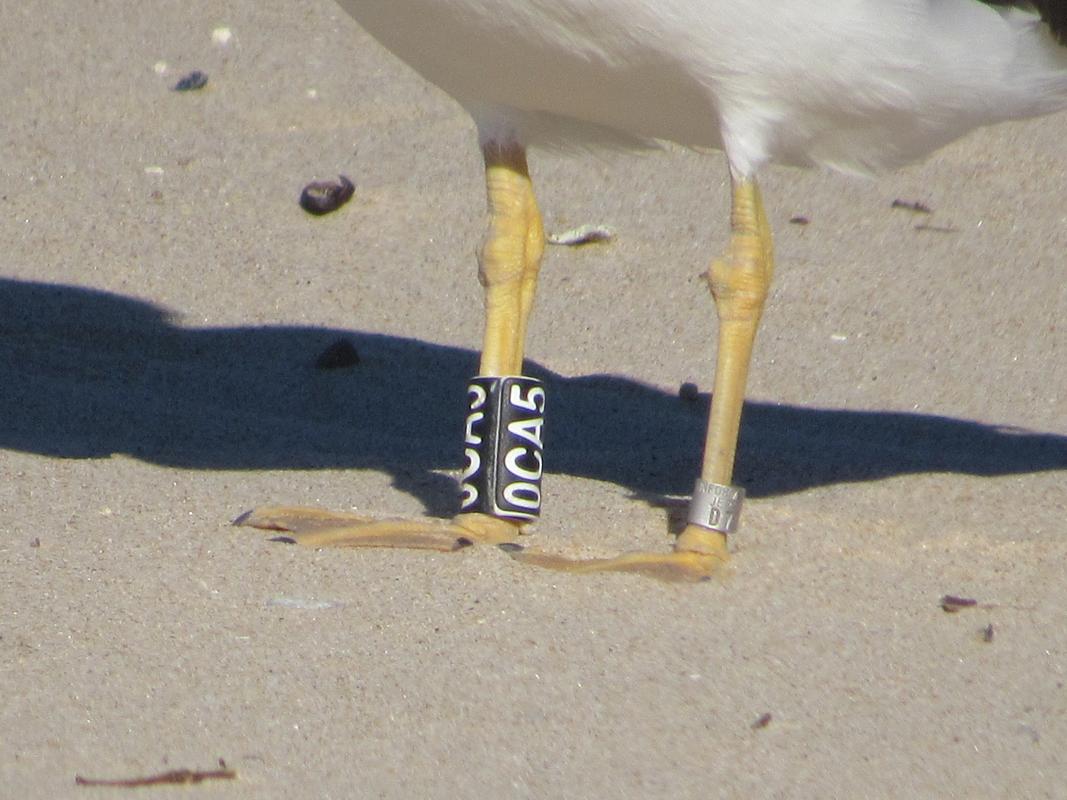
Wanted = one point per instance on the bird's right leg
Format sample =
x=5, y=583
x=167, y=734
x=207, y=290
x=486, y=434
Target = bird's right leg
x=509, y=264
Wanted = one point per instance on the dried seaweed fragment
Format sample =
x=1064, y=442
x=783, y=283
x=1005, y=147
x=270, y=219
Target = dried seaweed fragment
x=951, y=604
x=912, y=205
x=174, y=776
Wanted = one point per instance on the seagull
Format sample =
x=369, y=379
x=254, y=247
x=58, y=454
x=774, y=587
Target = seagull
x=857, y=86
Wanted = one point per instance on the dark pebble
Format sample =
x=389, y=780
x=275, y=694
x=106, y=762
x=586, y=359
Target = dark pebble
x=322, y=197
x=763, y=721
x=191, y=82
x=689, y=392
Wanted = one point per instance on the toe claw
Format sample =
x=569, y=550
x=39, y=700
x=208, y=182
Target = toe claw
x=240, y=519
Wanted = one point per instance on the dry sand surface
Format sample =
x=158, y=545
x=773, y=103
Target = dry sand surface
x=163, y=298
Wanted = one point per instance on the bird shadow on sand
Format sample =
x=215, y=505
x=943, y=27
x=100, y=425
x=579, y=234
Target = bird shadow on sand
x=84, y=374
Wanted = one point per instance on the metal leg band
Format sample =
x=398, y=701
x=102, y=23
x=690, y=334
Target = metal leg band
x=716, y=507
x=503, y=447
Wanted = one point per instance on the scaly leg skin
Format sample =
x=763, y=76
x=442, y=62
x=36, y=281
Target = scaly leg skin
x=739, y=283
x=508, y=269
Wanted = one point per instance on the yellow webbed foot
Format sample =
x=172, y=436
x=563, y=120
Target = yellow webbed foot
x=314, y=527
x=697, y=556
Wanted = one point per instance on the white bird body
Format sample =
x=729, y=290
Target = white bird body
x=856, y=85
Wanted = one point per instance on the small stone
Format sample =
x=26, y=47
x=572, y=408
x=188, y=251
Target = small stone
x=322, y=197
x=762, y=721
x=689, y=392
x=339, y=355
x=191, y=82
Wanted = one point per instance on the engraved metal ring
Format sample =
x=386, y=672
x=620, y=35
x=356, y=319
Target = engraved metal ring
x=715, y=506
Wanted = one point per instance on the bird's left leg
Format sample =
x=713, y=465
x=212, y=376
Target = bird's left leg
x=739, y=282
x=508, y=268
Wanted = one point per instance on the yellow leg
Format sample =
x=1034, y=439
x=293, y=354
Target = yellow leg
x=508, y=269
x=510, y=259
x=739, y=283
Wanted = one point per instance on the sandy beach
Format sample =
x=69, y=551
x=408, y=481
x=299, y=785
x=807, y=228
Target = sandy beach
x=163, y=299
